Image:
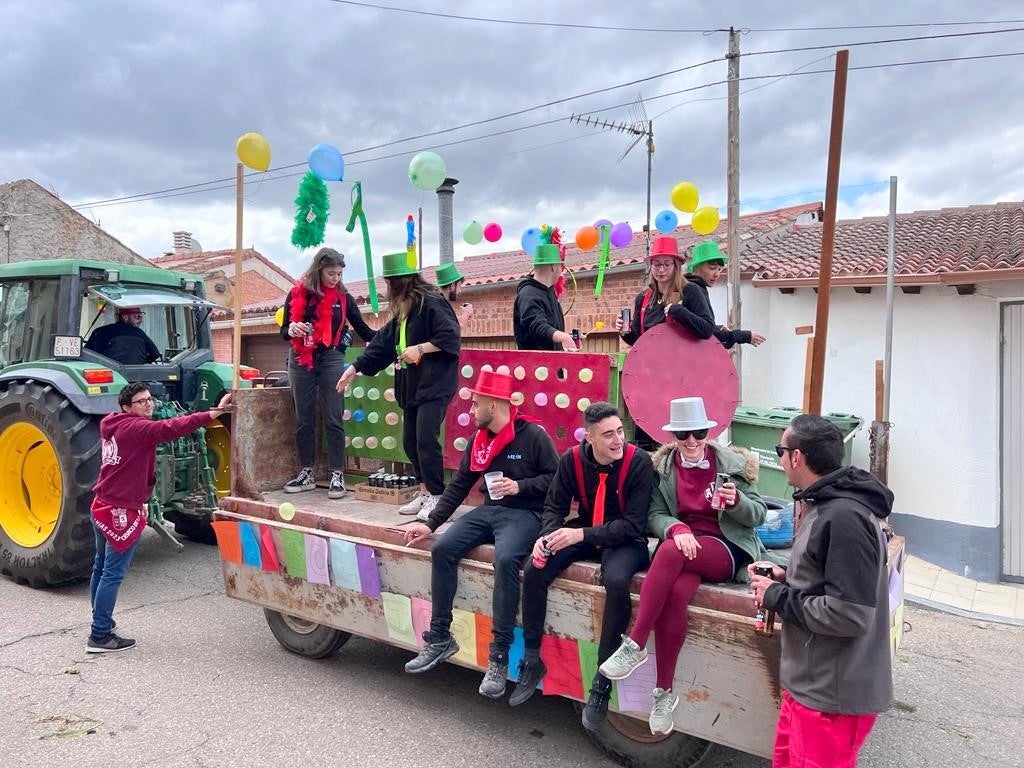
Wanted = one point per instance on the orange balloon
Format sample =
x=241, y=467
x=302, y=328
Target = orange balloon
x=587, y=238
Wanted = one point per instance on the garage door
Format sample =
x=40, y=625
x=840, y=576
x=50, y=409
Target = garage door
x=268, y=352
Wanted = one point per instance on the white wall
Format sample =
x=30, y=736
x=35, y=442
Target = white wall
x=944, y=461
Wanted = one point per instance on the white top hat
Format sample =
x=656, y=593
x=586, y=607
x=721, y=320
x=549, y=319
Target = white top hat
x=687, y=414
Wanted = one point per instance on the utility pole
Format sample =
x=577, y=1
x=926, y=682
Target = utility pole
x=733, y=183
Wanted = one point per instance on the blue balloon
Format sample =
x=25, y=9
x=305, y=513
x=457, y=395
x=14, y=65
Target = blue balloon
x=358, y=414
x=666, y=222
x=326, y=162
x=531, y=239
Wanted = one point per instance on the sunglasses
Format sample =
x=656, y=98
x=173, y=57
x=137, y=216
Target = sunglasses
x=780, y=450
x=700, y=434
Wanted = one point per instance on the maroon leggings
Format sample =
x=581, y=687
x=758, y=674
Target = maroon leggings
x=669, y=586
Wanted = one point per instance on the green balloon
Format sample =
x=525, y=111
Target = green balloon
x=427, y=171
x=473, y=233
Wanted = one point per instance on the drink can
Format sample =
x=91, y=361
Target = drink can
x=624, y=315
x=716, y=495
x=577, y=338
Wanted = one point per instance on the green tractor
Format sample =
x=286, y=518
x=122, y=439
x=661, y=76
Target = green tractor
x=54, y=390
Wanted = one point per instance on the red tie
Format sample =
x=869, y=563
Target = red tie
x=599, y=499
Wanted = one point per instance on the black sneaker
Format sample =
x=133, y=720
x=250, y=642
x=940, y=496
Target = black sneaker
x=432, y=655
x=596, y=710
x=337, y=489
x=301, y=482
x=111, y=644
x=531, y=672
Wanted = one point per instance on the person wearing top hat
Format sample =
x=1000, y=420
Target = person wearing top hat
x=537, y=319
x=450, y=281
x=699, y=543
x=706, y=265
x=422, y=339
x=124, y=340
x=523, y=459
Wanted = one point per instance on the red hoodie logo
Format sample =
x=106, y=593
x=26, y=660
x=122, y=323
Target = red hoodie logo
x=109, y=453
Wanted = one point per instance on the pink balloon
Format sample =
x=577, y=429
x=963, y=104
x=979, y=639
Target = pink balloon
x=579, y=434
x=464, y=419
x=540, y=399
x=492, y=232
x=621, y=235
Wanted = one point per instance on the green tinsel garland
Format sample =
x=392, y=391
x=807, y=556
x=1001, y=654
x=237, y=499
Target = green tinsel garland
x=311, y=209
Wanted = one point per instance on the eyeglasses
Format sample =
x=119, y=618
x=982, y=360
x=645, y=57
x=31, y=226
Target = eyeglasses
x=700, y=434
x=143, y=401
x=781, y=449
x=662, y=264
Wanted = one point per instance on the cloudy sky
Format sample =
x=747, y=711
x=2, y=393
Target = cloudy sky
x=111, y=99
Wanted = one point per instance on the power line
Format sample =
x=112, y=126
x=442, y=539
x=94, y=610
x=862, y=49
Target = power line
x=915, y=39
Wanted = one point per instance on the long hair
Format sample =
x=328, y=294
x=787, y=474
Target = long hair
x=406, y=291
x=325, y=257
x=675, y=285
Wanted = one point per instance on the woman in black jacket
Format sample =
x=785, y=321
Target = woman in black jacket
x=315, y=315
x=422, y=339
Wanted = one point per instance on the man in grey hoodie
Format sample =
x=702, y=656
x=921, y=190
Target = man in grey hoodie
x=833, y=599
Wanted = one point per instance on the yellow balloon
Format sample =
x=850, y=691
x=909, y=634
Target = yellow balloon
x=279, y=316
x=705, y=220
x=254, y=151
x=685, y=196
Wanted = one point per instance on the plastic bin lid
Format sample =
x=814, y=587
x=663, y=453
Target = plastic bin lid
x=780, y=418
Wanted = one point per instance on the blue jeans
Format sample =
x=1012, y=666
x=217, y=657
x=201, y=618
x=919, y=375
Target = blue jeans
x=108, y=571
x=513, y=532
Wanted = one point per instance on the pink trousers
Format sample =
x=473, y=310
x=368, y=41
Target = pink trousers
x=806, y=738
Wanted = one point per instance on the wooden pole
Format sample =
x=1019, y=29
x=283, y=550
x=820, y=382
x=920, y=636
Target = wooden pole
x=733, y=193
x=879, y=389
x=808, y=356
x=237, y=339
x=828, y=234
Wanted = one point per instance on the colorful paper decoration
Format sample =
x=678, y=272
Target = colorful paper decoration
x=421, y=612
x=294, y=544
x=398, y=616
x=635, y=691
x=268, y=550
x=228, y=541
x=588, y=668
x=464, y=632
x=317, y=555
x=484, y=638
x=344, y=566
x=562, y=658
x=516, y=652
x=250, y=544
x=369, y=576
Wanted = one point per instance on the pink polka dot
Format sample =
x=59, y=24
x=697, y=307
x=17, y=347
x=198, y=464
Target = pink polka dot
x=464, y=419
x=540, y=399
x=579, y=434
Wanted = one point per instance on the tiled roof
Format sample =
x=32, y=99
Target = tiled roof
x=205, y=261
x=952, y=246
x=493, y=268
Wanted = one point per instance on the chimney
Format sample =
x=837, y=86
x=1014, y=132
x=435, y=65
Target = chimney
x=182, y=242
x=445, y=222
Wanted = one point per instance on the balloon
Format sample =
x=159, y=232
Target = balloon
x=279, y=317
x=326, y=162
x=358, y=414
x=666, y=222
x=427, y=171
x=492, y=232
x=286, y=510
x=254, y=151
x=586, y=238
x=602, y=223
x=685, y=196
x=473, y=233
x=621, y=235
x=705, y=220
x=530, y=240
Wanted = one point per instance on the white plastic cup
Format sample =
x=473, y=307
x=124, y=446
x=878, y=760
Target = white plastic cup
x=491, y=478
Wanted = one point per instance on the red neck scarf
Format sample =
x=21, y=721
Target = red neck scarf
x=307, y=307
x=486, y=445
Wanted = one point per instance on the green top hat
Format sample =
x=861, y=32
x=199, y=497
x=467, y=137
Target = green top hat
x=447, y=274
x=546, y=253
x=397, y=265
x=707, y=251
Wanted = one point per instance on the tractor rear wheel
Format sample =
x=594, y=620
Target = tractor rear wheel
x=49, y=461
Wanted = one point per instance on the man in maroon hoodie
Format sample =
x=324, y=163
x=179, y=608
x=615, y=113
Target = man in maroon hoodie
x=127, y=476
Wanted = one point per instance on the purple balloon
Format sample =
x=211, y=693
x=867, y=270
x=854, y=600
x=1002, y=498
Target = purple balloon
x=602, y=223
x=621, y=235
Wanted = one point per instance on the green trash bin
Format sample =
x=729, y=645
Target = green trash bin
x=759, y=430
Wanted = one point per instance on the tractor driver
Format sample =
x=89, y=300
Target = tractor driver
x=124, y=340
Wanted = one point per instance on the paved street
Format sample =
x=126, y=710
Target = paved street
x=209, y=686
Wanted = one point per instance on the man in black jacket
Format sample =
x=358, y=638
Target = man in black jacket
x=706, y=266
x=537, y=320
x=525, y=457
x=611, y=527
x=124, y=340
x=833, y=600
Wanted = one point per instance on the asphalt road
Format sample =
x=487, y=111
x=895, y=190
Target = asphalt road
x=209, y=686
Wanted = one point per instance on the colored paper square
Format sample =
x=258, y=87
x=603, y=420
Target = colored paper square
x=588, y=668
x=895, y=589
x=369, y=577
x=464, y=632
x=294, y=545
x=344, y=566
x=635, y=691
x=316, y=560
x=515, y=653
x=228, y=541
x=562, y=658
x=421, y=613
x=250, y=544
x=268, y=550
x=483, y=639
x=398, y=616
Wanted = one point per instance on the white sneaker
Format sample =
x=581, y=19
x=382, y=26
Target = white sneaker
x=412, y=507
x=626, y=660
x=660, y=720
x=429, y=502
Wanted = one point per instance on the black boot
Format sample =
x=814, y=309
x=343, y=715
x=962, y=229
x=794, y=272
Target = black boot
x=596, y=710
x=432, y=654
x=531, y=672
